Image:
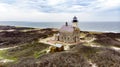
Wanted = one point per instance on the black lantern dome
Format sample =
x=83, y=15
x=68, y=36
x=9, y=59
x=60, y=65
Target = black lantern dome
x=75, y=19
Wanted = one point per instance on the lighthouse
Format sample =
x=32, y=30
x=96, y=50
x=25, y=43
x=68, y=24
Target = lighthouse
x=69, y=33
x=75, y=21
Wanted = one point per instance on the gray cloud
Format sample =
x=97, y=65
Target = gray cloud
x=87, y=9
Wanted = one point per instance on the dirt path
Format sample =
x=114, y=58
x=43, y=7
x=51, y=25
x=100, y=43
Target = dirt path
x=93, y=45
x=46, y=40
x=8, y=48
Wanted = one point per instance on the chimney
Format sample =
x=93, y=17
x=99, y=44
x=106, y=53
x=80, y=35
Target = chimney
x=66, y=24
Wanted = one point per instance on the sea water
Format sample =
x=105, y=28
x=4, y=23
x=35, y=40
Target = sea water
x=85, y=26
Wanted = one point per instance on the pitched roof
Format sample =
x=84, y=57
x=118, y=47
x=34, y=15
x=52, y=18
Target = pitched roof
x=65, y=28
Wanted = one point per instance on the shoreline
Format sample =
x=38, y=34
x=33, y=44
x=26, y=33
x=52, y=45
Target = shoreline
x=29, y=27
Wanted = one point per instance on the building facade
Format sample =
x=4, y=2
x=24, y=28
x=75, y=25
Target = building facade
x=69, y=33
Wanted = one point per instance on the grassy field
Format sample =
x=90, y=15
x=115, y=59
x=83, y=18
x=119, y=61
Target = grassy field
x=94, y=48
x=33, y=50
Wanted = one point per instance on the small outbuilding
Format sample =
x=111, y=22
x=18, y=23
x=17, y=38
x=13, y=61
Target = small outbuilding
x=56, y=48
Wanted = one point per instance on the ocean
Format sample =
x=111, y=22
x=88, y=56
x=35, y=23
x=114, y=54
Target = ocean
x=84, y=26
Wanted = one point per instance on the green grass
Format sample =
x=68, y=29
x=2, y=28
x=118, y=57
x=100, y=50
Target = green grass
x=3, y=56
x=27, y=50
x=33, y=50
x=2, y=53
x=37, y=54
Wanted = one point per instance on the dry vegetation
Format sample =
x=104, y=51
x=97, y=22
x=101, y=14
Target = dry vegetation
x=106, y=58
x=26, y=42
x=61, y=59
x=30, y=53
x=23, y=52
x=78, y=56
x=108, y=39
x=18, y=37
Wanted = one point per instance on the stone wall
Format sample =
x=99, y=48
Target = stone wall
x=68, y=37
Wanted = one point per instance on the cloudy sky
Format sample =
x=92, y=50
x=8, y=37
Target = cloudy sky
x=59, y=10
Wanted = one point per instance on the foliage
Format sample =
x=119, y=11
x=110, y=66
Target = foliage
x=26, y=50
